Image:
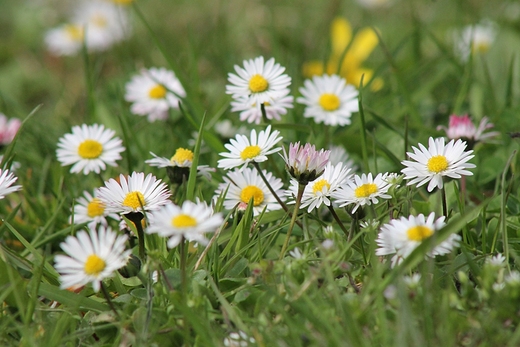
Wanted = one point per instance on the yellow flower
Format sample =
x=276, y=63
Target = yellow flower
x=347, y=65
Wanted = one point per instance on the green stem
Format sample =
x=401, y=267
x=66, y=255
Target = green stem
x=336, y=218
x=136, y=218
x=183, y=266
x=109, y=300
x=444, y=204
x=301, y=189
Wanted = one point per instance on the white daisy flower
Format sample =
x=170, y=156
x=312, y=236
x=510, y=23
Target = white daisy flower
x=242, y=186
x=227, y=130
x=182, y=158
x=329, y=99
x=373, y=4
x=338, y=154
x=412, y=281
x=513, y=278
x=89, y=148
x=273, y=110
x=363, y=190
x=439, y=160
x=91, y=257
x=153, y=92
x=474, y=39
x=239, y=339
x=191, y=221
x=319, y=191
x=305, y=163
x=134, y=193
x=497, y=261
x=91, y=209
x=402, y=236
x=66, y=39
x=8, y=129
x=258, y=82
x=7, y=179
x=242, y=150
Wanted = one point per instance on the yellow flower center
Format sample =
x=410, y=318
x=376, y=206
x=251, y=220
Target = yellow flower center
x=134, y=200
x=181, y=155
x=258, y=84
x=90, y=149
x=95, y=208
x=94, y=265
x=365, y=190
x=157, y=92
x=480, y=47
x=99, y=20
x=252, y=192
x=75, y=32
x=250, y=152
x=329, y=102
x=122, y=2
x=437, y=163
x=318, y=186
x=419, y=233
x=183, y=221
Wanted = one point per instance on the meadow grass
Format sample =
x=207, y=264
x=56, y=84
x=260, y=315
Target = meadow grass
x=342, y=295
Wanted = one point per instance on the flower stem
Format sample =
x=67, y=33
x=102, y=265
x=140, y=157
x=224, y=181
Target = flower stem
x=444, y=204
x=109, y=300
x=301, y=189
x=183, y=266
x=136, y=218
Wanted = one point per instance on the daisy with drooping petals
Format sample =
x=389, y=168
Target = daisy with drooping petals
x=89, y=148
x=179, y=165
x=242, y=150
x=7, y=179
x=91, y=209
x=8, y=129
x=305, y=163
x=190, y=221
x=244, y=185
x=363, y=190
x=319, y=191
x=329, y=100
x=259, y=82
x=439, y=160
x=462, y=127
x=134, y=193
x=273, y=110
x=402, y=236
x=91, y=257
x=154, y=92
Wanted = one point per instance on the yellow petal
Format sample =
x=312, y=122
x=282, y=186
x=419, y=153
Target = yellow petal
x=341, y=34
x=364, y=43
x=312, y=68
x=353, y=76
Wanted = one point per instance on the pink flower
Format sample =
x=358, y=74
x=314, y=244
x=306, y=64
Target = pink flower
x=305, y=163
x=461, y=127
x=8, y=129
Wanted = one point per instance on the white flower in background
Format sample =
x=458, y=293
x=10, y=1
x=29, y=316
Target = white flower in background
x=413, y=280
x=401, y=236
x=513, y=278
x=362, y=190
x=153, y=92
x=259, y=82
x=439, y=160
x=244, y=185
x=273, y=110
x=243, y=150
x=65, y=39
x=319, y=191
x=329, y=100
x=7, y=179
x=91, y=257
x=8, y=129
x=373, y=4
x=296, y=253
x=474, y=39
x=134, y=193
x=239, y=339
x=182, y=158
x=462, y=127
x=227, y=130
x=338, y=154
x=189, y=221
x=89, y=148
x=496, y=261
x=91, y=209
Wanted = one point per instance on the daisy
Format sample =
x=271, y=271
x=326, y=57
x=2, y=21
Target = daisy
x=242, y=150
x=7, y=179
x=134, y=193
x=91, y=209
x=179, y=165
x=8, y=129
x=474, y=39
x=244, y=185
x=66, y=39
x=153, y=92
x=89, y=148
x=305, y=163
x=439, y=160
x=91, y=257
x=319, y=191
x=402, y=236
x=338, y=154
x=329, y=100
x=189, y=221
x=259, y=82
x=227, y=130
x=373, y=4
x=462, y=127
x=363, y=190
x=273, y=110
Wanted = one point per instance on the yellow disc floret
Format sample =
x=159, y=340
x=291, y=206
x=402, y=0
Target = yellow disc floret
x=252, y=192
x=365, y=190
x=250, y=152
x=94, y=265
x=90, y=149
x=183, y=221
x=134, y=200
x=95, y=208
x=75, y=32
x=181, y=156
x=318, y=186
x=329, y=102
x=258, y=84
x=157, y=92
x=419, y=233
x=437, y=163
